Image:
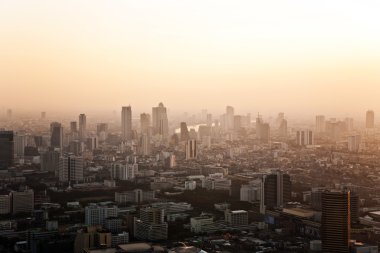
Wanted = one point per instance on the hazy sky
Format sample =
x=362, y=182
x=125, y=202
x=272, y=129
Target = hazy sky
x=296, y=56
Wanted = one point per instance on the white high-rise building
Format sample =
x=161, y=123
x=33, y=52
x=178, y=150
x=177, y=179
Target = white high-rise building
x=320, y=124
x=160, y=120
x=305, y=138
x=251, y=192
x=97, y=214
x=70, y=168
x=126, y=123
x=82, y=126
x=151, y=225
x=124, y=171
x=191, y=149
x=354, y=142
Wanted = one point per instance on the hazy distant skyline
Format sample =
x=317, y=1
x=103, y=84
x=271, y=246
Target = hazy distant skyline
x=299, y=57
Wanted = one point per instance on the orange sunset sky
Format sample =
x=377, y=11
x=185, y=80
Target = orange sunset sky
x=296, y=56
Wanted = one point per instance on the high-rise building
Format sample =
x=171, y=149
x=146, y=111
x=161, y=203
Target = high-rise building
x=6, y=149
x=97, y=214
x=70, y=168
x=124, y=171
x=276, y=190
x=305, y=138
x=283, y=128
x=230, y=117
x=354, y=143
x=237, y=217
x=370, y=119
x=102, y=131
x=56, y=140
x=349, y=124
x=144, y=145
x=184, y=131
x=191, y=149
x=262, y=130
x=23, y=201
x=145, y=123
x=160, y=120
x=209, y=119
x=73, y=127
x=5, y=204
x=50, y=161
x=20, y=142
x=43, y=115
x=320, y=124
x=151, y=225
x=82, y=126
x=126, y=123
x=336, y=221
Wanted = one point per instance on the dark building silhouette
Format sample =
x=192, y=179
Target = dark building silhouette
x=277, y=189
x=56, y=140
x=6, y=149
x=336, y=221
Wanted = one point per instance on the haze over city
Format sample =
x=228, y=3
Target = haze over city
x=170, y=126
x=296, y=56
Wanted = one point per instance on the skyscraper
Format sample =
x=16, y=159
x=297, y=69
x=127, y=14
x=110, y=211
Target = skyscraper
x=145, y=123
x=126, y=123
x=184, y=131
x=336, y=221
x=320, y=124
x=305, y=137
x=6, y=149
x=73, y=127
x=191, y=149
x=283, y=128
x=262, y=130
x=43, y=115
x=70, y=168
x=82, y=126
x=276, y=190
x=230, y=118
x=20, y=142
x=56, y=140
x=160, y=120
x=370, y=119
x=144, y=144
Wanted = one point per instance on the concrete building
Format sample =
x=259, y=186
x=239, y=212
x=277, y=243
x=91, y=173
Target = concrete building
x=70, y=168
x=237, y=217
x=96, y=214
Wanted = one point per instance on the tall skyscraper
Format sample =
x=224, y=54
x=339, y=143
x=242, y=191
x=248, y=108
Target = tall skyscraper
x=305, y=137
x=144, y=144
x=209, y=119
x=6, y=149
x=126, y=123
x=320, y=124
x=370, y=119
x=20, y=142
x=262, y=130
x=50, y=161
x=230, y=112
x=283, y=128
x=145, y=123
x=354, y=142
x=160, y=120
x=349, y=124
x=276, y=190
x=70, y=168
x=82, y=126
x=73, y=127
x=184, y=131
x=56, y=140
x=191, y=149
x=336, y=221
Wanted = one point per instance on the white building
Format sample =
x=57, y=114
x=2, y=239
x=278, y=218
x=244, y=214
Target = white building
x=199, y=224
x=151, y=225
x=191, y=149
x=190, y=185
x=354, y=142
x=305, y=138
x=97, y=214
x=124, y=171
x=238, y=217
x=251, y=192
x=70, y=168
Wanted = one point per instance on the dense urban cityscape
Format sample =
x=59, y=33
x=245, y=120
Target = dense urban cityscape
x=191, y=126
x=190, y=183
